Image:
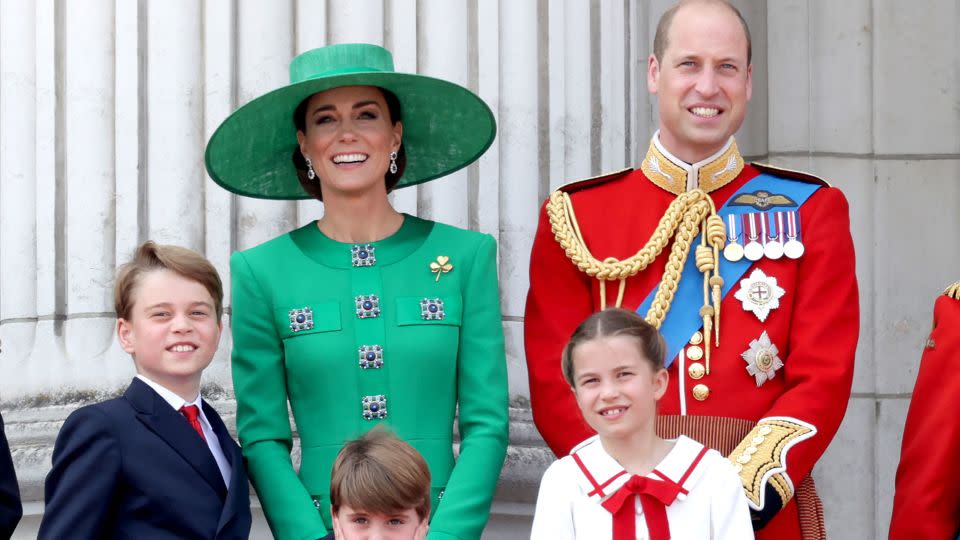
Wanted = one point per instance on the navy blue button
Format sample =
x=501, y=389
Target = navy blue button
x=371, y=356
x=301, y=317
x=367, y=304
x=374, y=407
x=433, y=308
x=362, y=254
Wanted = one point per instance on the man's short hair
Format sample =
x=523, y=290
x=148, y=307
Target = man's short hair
x=150, y=257
x=382, y=474
x=661, y=38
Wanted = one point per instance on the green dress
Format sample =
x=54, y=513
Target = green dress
x=359, y=335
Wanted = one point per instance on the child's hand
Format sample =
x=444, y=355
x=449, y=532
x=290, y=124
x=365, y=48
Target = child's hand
x=421, y=532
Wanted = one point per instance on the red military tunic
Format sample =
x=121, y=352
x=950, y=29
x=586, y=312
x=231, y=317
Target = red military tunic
x=927, y=500
x=815, y=327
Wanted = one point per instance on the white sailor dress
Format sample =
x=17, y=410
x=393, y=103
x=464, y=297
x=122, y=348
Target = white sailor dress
x=709, y=503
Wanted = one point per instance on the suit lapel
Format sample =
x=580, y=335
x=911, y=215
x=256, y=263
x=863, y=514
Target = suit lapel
x=158, y=416
x=238, y=492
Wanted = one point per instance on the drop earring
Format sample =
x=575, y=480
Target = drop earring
x=393, y=163
x=311, y=174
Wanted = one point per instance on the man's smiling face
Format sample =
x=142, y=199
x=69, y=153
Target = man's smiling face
x=703, y=81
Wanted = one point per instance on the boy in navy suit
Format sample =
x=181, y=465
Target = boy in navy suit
x=157, y=463
x=10, y=509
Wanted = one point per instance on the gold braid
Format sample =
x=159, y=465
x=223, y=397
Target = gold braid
x=690, y=213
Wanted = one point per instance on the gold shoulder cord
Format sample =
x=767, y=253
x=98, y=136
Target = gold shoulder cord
x=691, y=212
x=953, y=291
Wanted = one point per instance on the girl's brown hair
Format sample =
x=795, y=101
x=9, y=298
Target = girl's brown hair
x=616, y=322
x=382, y=474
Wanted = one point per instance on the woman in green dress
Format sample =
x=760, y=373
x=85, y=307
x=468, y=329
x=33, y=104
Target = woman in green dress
x=366, y=316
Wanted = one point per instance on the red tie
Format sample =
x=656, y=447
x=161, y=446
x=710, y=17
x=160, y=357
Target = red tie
x=655, y=496
x=192, y=413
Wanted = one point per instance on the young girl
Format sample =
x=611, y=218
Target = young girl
x=626, y=482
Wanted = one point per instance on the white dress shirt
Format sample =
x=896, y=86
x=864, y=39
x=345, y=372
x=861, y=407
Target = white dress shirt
x=213, y=442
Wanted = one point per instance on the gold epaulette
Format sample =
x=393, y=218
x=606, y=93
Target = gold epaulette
x=584, y=183
x=953, y=291
x=790, y=173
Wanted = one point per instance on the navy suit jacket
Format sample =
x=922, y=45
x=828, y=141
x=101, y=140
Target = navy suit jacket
x=132, y=467
x=10, y=509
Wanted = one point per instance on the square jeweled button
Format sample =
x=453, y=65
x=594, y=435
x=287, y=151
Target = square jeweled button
x=431, y=309
x=301, y=319
x=364, y=255
x=374, y=407
x=368, y=306
x=371, y=357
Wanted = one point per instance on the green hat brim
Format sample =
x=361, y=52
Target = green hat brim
x=445, y=128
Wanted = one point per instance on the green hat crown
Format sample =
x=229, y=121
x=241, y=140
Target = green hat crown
x=445, y=126
x=340, y=59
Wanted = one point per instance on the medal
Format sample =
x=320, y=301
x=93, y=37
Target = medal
x=793, y=248
x=759, y=294
x=773, y=248
x=733, y=251
x=762, y=360
x=753, y=251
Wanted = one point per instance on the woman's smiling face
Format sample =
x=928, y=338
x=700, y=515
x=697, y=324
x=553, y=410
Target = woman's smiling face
x=349, y=137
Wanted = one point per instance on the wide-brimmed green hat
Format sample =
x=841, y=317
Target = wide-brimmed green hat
x=445, y=126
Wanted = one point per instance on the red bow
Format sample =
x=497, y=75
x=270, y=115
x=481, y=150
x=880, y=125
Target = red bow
x=655, y=496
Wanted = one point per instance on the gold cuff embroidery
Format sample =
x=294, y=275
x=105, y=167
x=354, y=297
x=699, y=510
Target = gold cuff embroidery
x=782, y=486
x=761, y=456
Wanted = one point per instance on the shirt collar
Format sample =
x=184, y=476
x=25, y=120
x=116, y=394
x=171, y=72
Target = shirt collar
x=171, y=397
x=676, y=176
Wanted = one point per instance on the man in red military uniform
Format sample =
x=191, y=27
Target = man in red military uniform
x=760, y=312
x=927, y=503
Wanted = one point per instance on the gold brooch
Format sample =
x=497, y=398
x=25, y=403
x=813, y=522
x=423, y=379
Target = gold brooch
x=441, y=266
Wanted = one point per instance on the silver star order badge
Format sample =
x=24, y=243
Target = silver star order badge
x=759, y=294
x=762, y=360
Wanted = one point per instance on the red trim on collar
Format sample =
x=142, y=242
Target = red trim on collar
x=696, y=461
x=599, y=490
x=589, y=476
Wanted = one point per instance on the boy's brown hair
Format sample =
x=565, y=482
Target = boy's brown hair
x=616, y=322
x=150, y=257
x=382, y=474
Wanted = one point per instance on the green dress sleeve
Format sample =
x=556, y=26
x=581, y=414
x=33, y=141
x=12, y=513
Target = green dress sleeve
x=263, y=423
x=482, y=398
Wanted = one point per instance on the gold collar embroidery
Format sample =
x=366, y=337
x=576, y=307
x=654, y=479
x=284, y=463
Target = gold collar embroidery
x=677, y=177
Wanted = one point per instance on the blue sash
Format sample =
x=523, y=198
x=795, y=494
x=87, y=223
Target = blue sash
x=684, y=319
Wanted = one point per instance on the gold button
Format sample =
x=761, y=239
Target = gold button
x=695, y=353
x=701, y=392
x=696, y=371
x=765, y=430
x=757, y=440
x=696, y=339
x=744, y=458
